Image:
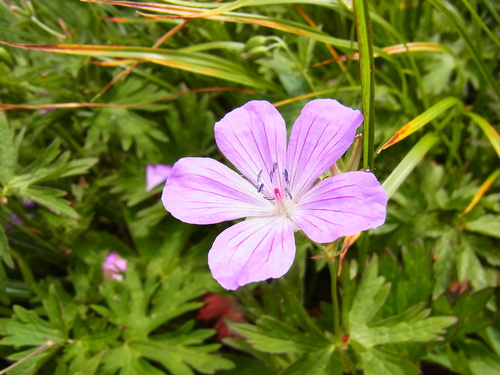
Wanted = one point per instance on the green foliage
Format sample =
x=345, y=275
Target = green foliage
x=420, y=290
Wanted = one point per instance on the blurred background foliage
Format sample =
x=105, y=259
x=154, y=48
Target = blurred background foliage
x=81, y=122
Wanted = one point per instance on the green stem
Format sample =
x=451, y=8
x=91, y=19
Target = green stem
x=47, y=29
x=362, y=19
x=363, y=250
x=333, y=267
x=48, y=344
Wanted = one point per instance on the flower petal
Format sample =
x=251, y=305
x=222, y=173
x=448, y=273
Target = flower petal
x=341, y=206
x=204, y=191
x=252, y=250
x=156, y=175
x=253, y=138
x=321, y=134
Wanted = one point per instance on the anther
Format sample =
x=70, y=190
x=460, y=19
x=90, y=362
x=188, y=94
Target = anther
x=285, y=174
x=260, y=188
x=269, y=198
x=259, y=176
x=288, y=192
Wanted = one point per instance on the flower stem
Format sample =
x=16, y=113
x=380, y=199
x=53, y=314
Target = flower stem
x=48, y=344
x=363, y=29
x=47, y=28
x=333, y=267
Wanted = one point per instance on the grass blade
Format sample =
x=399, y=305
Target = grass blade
x=487, y=129
x=482, y=190
x=421, y=120
x=409, y=162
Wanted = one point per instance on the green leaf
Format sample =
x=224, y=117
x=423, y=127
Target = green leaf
x=489, y=225
x=428, y=329
x=59, y=169
x=469, y=267
x=413, y=325
x=273, y=336
x=86, y=366
x=8, y=155
x=377, y=361
x=28, y=329
x=444, y=266
x=50, y=198
x=31, y=365
x=4, y=248
x=370, y=296
x=130, y=128
x=325, y=361
x=60, y=308
x=181, y=354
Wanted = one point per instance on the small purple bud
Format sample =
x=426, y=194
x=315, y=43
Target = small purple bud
x=113, y=267
x=28, y=203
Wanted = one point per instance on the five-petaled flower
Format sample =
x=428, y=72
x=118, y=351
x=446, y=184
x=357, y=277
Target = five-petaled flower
x=279, y=193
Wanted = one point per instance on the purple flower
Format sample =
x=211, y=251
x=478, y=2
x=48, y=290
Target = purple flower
x=113, y=267
x=156, y=175
x=279, y=193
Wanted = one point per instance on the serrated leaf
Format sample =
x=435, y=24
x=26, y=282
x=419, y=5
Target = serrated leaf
x=298, y=316
x=28, y=329
x=325, y=361
x=413, y=325
x=489, y=225
x=469, y=267
x=428, y=329
x=59, y=169
x=33, y=364
x=50, y=198
x=144, y=306
x=377, y=361
x=370, y=296
x=273, y=336
x=181, y=356
x=444, y=266
x=130, y=127
x=60, y=308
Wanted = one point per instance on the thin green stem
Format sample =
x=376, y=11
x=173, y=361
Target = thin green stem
x=333, y=267
x=47, y=28
x=363, y=30
x=48, y=344
x=363, y=250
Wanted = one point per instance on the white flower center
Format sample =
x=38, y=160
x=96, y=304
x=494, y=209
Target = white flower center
x=276, y=188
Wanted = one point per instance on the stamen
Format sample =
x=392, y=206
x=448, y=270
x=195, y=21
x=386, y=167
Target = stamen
x=275, y=166
x=260, y=188
x=269, y=198
x=259, y=176
x=285, y=173
x=288, y=192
